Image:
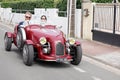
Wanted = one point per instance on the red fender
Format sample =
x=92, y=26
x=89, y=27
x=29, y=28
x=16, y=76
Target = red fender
x=29, y=42
x=9, y=34
x=77, y=43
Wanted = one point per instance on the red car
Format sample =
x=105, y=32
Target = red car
x=46, y=43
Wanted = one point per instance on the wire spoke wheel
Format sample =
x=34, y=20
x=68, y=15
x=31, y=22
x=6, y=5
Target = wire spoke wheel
x=28, y=54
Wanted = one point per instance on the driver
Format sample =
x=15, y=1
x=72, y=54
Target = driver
x=28, y=17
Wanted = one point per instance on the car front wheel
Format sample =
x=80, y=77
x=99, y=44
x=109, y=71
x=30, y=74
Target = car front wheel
x=77, y=55
x=28, y=54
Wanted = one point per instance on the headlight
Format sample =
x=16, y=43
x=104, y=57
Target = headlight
x=43, y=40
x=71, y=41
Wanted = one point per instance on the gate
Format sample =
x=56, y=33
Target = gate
x=106, y=23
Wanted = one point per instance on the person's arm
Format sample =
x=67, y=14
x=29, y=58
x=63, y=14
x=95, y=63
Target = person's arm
x=26, y=23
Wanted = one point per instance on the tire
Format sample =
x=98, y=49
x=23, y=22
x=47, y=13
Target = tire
x=28, y=54
x=77, y=55
x=19, y=39
x=8, y=43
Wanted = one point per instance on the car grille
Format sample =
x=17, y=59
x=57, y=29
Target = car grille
x=59, y=49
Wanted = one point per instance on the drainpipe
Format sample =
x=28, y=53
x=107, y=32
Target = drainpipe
x=114, y=19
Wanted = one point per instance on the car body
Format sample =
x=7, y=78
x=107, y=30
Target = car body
x=47, y=43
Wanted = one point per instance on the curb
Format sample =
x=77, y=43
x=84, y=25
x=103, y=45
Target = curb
x=101, y=61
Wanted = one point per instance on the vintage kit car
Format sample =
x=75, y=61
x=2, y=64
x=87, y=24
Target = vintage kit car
x=46, y=43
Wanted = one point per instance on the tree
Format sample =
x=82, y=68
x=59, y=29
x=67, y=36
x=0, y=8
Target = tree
x=78, y=4
x=62, y=5
x=15, y=0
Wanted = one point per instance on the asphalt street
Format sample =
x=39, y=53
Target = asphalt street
x=12, y=67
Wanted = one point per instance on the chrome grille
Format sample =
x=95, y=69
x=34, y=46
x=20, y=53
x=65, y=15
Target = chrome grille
x=59, y=49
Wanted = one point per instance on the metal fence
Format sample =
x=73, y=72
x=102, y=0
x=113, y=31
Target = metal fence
x=60, y=13
x=107, y=17
x=21, y=11
x=106, y=27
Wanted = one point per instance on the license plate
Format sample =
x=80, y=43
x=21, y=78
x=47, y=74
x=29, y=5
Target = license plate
x=61, y=59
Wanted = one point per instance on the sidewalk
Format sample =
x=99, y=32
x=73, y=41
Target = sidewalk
x=105, y=53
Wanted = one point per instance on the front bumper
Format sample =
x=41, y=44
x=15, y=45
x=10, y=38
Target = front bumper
x=57, y=59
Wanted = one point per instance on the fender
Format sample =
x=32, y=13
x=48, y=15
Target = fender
x=23, y=33
x=29, y=42
x=9, y=34
x=77, y=43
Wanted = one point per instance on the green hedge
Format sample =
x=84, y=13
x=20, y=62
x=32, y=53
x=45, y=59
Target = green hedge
x=29, y=5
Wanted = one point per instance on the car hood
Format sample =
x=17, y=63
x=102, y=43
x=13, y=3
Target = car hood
x=46, y=33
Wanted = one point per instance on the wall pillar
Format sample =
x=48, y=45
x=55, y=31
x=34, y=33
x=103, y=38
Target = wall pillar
x=87, y=19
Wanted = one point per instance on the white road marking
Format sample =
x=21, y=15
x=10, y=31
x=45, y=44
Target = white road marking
x=96, y=78
x=78, y=69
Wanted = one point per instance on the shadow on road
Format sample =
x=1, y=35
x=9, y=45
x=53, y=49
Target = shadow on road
x=52, y=64
x=42, y=63
x=19, y=53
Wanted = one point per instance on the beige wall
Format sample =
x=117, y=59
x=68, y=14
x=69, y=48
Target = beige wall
x=87, y=21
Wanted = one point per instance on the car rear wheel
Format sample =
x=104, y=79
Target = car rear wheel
x=77, y=55
x=8, y=43
x=28, y=54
